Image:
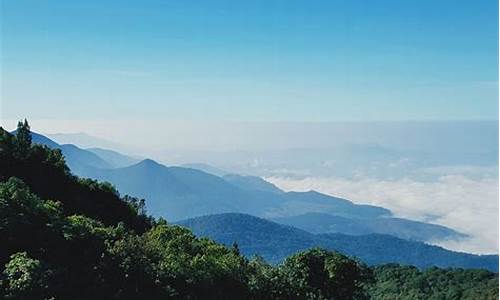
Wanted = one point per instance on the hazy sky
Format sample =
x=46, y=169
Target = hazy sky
x=249, y=60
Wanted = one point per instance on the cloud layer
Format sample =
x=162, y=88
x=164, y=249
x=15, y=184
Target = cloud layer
x=468, y=205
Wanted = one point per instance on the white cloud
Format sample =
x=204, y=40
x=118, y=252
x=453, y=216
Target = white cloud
x=465, y=204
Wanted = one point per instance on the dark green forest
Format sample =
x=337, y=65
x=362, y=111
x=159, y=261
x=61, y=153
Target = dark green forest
x=64, y=237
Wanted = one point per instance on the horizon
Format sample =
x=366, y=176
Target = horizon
x=147, y=133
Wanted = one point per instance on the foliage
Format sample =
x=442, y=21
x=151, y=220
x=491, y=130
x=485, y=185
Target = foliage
x=393, y=281
x=25, y=277
x=325, y=274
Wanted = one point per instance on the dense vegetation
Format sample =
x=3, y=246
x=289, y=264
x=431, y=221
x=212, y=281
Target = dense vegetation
x=70, y=238
x=405, y=282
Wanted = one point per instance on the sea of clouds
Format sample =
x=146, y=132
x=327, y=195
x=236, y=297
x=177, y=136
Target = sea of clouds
x=468, y=204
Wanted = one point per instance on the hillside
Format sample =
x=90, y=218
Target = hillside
x=274, y=242
x=401, y=228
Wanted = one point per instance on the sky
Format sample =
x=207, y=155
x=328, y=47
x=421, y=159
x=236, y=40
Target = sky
x=274, y=61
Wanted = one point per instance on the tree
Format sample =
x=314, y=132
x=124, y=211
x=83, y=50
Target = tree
x=236, y=248
x=323, y=274
x=23, y=139
x=25, y=278
x=265, y=281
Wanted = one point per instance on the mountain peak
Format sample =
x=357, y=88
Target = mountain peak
x=148, y=162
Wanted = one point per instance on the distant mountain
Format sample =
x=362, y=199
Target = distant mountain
x=176, y=193
x=252, y=183
x=179, y=193
x=402, y=228
x=84, y=140
x=312, y=201
x=78, y=160
x=115, y=159
x=206, y=168
x=274, y=242
x=42, y=140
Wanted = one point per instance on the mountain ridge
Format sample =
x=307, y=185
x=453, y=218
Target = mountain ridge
x=178, y=193
x=273, y=241
x=321, y=223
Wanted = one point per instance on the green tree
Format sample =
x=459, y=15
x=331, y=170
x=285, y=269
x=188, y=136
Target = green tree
x=23, y=139
x=266, y=282
x=25, y=278
x=393, y=281
x=322, y=274
x=23, y=215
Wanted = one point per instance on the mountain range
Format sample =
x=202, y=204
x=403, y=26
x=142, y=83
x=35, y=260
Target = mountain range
x=180, y=193
x=406, y=229
x=274, y=242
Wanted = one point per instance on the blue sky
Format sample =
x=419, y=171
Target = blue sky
x=250, y=60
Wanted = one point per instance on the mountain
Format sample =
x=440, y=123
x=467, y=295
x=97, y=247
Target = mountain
x=179, y=193
x=78, y=160
x=87, y=242
x=255, y=236
x=84, y=140
x=206, y=168
x=252, y=183
x=274, y=242
x=42, y=140
x=312, y=201
x=402, y=228
x=115, y=159
x=176, y=193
